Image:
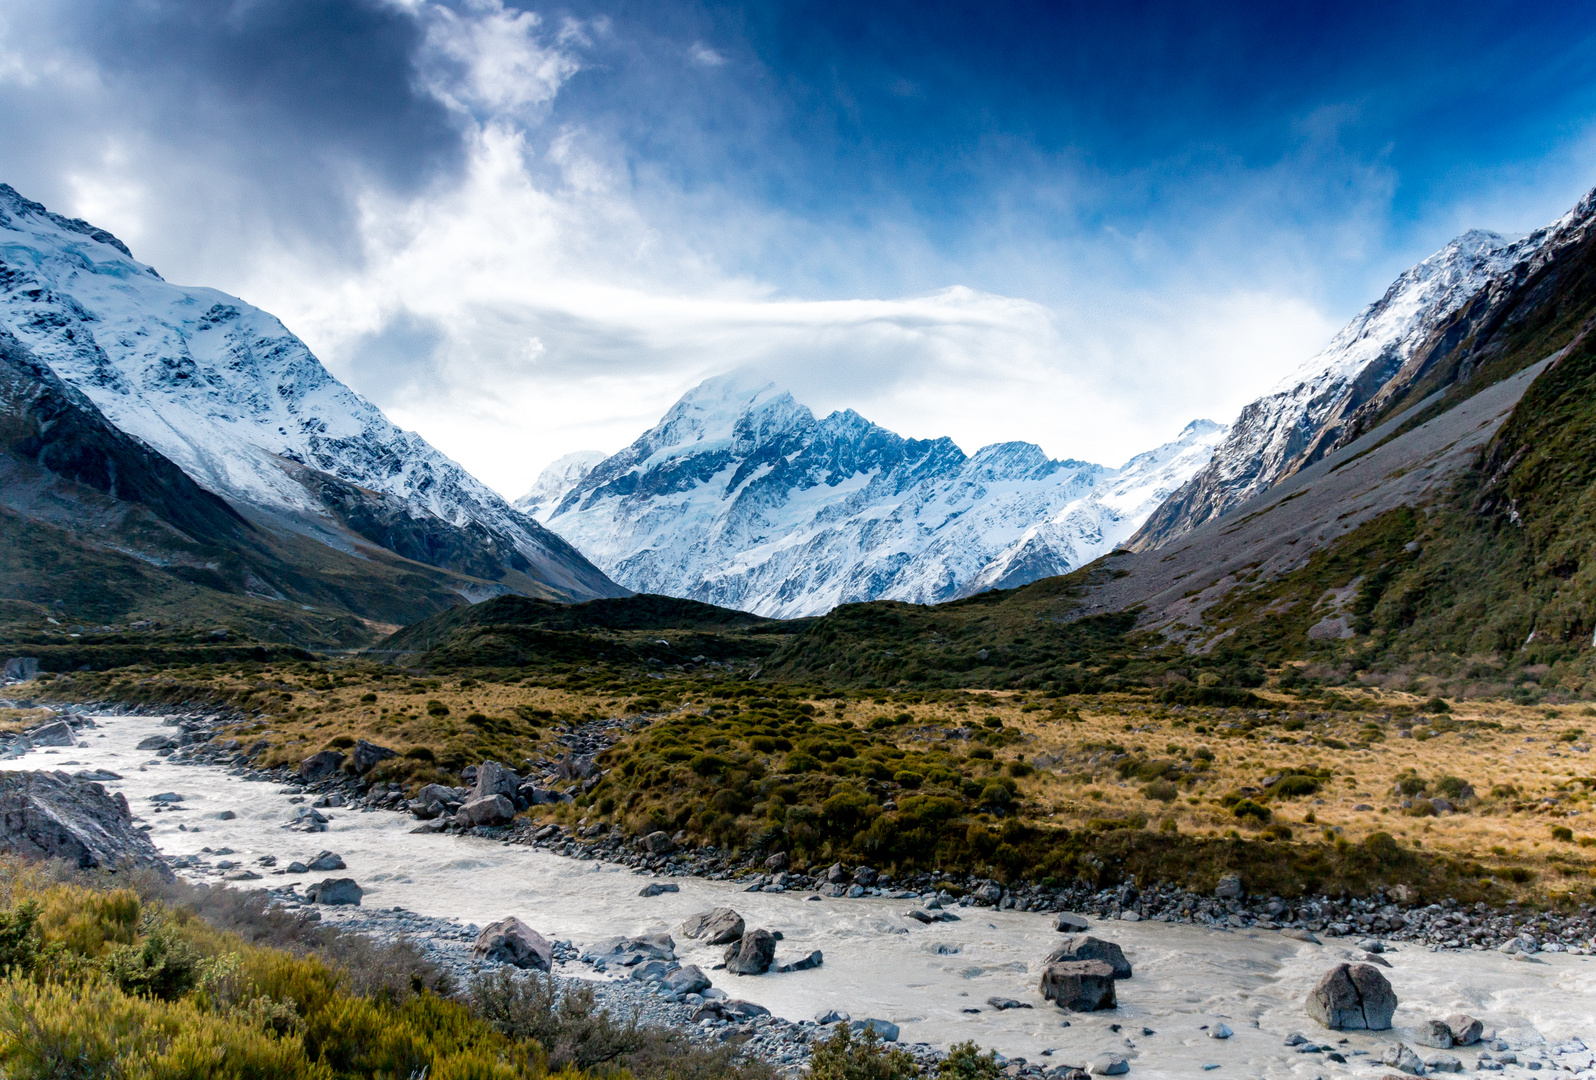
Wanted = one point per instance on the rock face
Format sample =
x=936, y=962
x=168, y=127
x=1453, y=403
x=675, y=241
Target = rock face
x=21, y=668
x=366, y=756
x=1353, y=997
x=50, y=815
x=1083, y=947
x=752, y=954
x=511, y=941
x=691, y=508
x=719, y=926
x=321, y=765
x=336, y=891
x=1081, y=985
x=492, y=810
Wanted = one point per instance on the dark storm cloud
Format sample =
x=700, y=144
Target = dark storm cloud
x=277, y=111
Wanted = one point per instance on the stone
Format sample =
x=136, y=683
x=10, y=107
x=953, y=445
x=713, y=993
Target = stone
x=297, y=867
x=330, y=801
x=166, y=798
x=1352, y=997
x=494, y=779
x=226, y=815
x=21, y=668
x=492, y=810
x=326, y=861
x=1436, y=1033
x=511, y=941
x=367, y=756
x=831, y=1016
x=1229, y=888
x=1004, y=1004
x=50, y=815
x=58, y=733
x=630, y=949
x=1220, y=1031
x=1466, y=1030
x=157, y=742
x=659, y=842
x=777, y=861
x=1065, y=923
x=1079, y=985
x=1083, y=947
x=1108, y=1065
x=1440, y=1063
x=836, y=875
x=887, y=1030
x=659, y=888
x=752, y=954
x=1399, y=1056
x=990, y=893
x=687, y=980
x=1300, y=935
x=864, y=876
x=306, y=819
x=336, y=891
x=321, y=765
x=805, y=963
x=718, y=926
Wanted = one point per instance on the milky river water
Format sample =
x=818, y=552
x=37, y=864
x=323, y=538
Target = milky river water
x=877, y=963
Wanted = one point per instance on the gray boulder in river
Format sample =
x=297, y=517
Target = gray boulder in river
x=1082, y=985
x=719, y=926
x=341, y=890
x=752, y=954
x=1353, y=997
x=50, y=815
x=511, y=941
x=1084, y=947
x=494, y=779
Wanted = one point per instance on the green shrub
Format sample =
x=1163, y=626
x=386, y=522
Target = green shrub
x=845, y=1057
x=1437, y=705
x=966, y=1062
x=908, y=779
x=1162, y=790
x=1563, y=832
x=437, y=708
x=1246, y=808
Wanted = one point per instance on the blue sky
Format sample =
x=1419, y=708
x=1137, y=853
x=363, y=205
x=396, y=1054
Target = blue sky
x=524, y=229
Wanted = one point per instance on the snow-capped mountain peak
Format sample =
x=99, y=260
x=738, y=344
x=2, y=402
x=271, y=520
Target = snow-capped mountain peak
x=740, y=496
x=239, y=403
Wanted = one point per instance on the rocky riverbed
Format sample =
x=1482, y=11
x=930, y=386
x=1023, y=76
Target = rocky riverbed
x=1202, y=964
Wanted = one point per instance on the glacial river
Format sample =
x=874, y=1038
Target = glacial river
x=878, y=963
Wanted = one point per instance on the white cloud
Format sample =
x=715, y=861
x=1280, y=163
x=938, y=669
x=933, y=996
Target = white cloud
x=703, y=56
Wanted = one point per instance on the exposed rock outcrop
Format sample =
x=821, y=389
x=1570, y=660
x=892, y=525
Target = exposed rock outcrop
x=50, y=815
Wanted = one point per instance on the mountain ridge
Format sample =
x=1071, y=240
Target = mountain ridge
x=741, y=497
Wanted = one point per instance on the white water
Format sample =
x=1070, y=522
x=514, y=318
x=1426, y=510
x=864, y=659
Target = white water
x=878, y=964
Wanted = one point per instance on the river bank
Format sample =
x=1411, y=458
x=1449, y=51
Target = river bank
x=933, y=981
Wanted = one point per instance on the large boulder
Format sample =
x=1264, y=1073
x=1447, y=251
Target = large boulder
x=687, y=980
x=50, y=815
x=1353, y=997
x=719, y=926
x=366, y=756
x=494, y=779
x=321, y=765
x=326, y=861
x=752, y=954
x=1084, y=947
x=1066, y=923
x=1081, y=985
x=659, y=843
x=157, y=742
x=21, y=668
x=341, y=890
x=1466, y=1030
x=627, y=951
x=1229, y=888
x=307, y=819
x=56, y=733
x=492, y=810
x=511, y=941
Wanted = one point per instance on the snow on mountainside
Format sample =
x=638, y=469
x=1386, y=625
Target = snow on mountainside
x=223, y=390
x=741, y=497
x=563, y=474
x=1303, y=417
